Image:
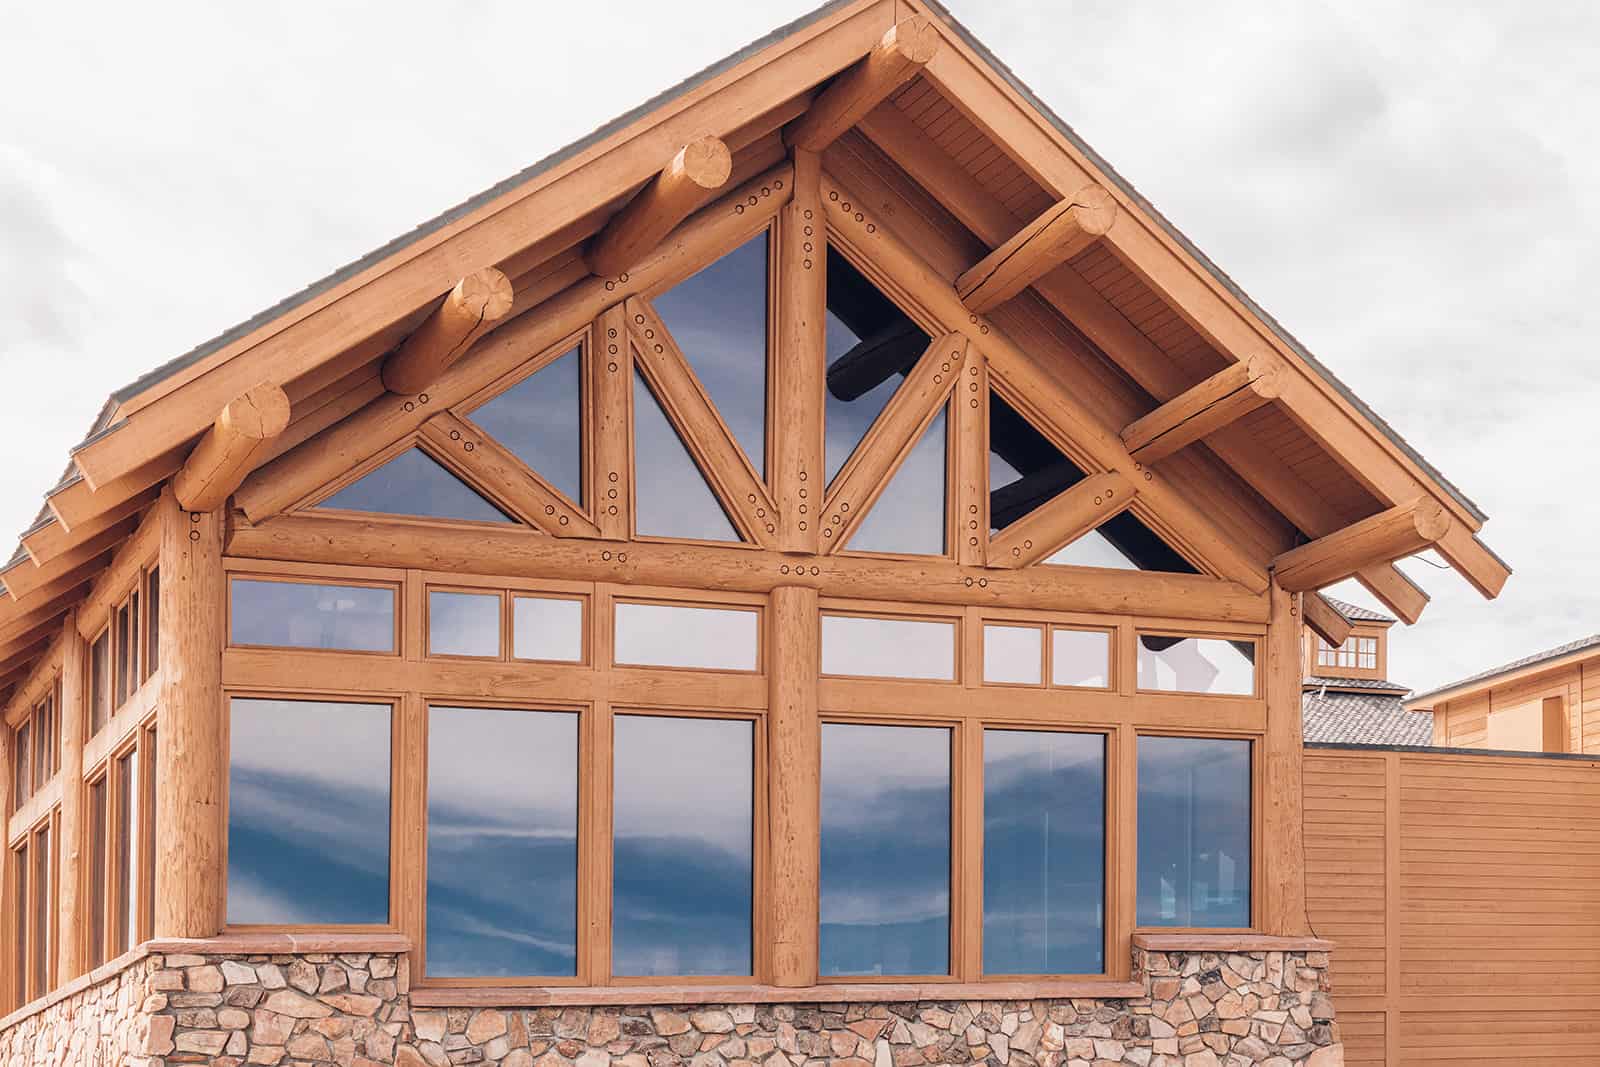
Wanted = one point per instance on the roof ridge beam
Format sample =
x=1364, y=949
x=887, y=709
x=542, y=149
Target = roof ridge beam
x=229, y=450
x=700, y=167
x=1060, y=232
x=907, y=47
x=1220, y=400
x=468, y=311
x=1382, y=538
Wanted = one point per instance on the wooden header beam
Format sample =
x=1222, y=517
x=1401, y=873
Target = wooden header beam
x=1326, y=620
x=478, y=301
x=1220, y=400
x=1062, y=520
x=700, y=167
x=902, y=53
x=229, y=450
x=1382, y=538
x=1061, y=232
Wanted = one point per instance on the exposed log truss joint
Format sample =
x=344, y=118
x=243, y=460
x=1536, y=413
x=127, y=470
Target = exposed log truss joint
x=700, y=167
x=1219, y=401
x=1381, y=538
x=230, y=450
x=1062, y=520
x=470, y=310
x=905, y=49
x=1061, y=232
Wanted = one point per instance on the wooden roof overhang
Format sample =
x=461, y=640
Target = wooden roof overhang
x=1249, y=454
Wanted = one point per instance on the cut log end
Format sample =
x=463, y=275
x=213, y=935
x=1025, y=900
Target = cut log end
x=914, y=40
x=1432, y=521
x=486, y=294
x=1094, y=209
x=705, y=161
x=259, y=415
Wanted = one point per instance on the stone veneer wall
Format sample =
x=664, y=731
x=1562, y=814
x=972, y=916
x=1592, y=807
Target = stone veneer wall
x=1204, y=1009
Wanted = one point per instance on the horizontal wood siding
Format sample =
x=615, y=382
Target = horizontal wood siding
x=1463, y=893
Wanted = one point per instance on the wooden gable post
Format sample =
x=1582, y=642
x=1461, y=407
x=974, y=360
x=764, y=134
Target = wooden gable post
x=1283, y=856
x=191, y=761
x=73, y=720
x=794, y=784
x=8, y=922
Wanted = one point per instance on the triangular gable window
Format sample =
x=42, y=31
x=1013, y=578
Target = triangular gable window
x=718, y=317
x=540, y=421
x=671, y=497
x=1026, y=470
x=872, y=345
x=414, y=483
x=908, y=518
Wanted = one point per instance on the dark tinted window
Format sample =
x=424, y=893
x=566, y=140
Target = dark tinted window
x=682, y=865
x=1194, y=832
x=414, y=483
x=1044, y=847
x=671, y=496
x=885, y=878
x=502, y=842
x=353, y=618
x=308, y=812
x=719, y=319
x=540, y=421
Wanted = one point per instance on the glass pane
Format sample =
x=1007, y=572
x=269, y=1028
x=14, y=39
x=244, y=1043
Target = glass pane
x=463, y=624
x=100, y=683
x=44, y=902
x=540, y=421
x=1092, y=550
x=1194, y=832
x=351, y=618
x=502, y=842
x=1197, y=665
x=97, y=871
x=671, y=497
x=414, y=483
x=127, y=807
x=872, y=345
x=20, y=880
x=153, y=624
x=22, y=781
x=1013, y=655
x=888, y=648
x=719, y=319
x=1080, y=657
x=124, y=649
x=908, y=518
x=547, y=628
x=885, y=875
x=308, y=812
x=1044, y=848
x=682, y=853
x=147, y=892
x=673, y=635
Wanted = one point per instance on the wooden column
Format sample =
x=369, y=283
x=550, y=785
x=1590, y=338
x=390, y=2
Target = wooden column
x=1283, y=855
x=797, y=476
x=794, y=813
x=8, y=921
x=191, y=761
x=611, y=389
x=73, y=719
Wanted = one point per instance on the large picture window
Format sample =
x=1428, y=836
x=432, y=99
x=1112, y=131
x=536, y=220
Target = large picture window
x=1194, y=832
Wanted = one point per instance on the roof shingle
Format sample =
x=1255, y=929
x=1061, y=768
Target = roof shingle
x=1363, y=719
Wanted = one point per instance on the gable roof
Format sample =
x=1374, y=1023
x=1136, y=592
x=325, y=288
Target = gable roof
x=355, y=315
x=1548, y=656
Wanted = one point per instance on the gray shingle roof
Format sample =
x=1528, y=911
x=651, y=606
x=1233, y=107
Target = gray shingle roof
x=1363, y=719
x=1380, y=684
x=1582, y=643
x=1355, y=613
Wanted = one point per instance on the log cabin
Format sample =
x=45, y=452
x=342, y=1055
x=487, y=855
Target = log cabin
x=814, y=571
x=1538, y=703
x=1347, y=696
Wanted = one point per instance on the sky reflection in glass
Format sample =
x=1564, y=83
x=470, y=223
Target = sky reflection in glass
x=863, y=646
x=547, y=628
x=1197, y=665
x=1080, y=658
x=502, y=842
x=463, y=624
x=1194, y=832
x=414, y=483
x=351, y=618
x=885, y=876
x=540, y=421
x=908, y=518
x=677, y=635
x=670, y=494
x=718, y=317
x=1013, y=655
x=683, y=825
x=1044, y=847
x=308, y=812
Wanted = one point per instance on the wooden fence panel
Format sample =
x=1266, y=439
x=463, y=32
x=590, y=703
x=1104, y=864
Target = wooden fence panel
x=1462, y=890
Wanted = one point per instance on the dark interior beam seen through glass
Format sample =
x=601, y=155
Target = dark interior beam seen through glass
x=1176, y=664
x=502, y=843
x=540, y=421
x=1194, y=832
x=414, y=483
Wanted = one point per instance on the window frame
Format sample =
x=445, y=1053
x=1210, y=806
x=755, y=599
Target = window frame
x=255, y=575
x=656, y=596
x=1207, y=633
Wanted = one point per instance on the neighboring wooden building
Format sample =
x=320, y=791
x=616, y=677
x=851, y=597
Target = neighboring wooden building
x=1347, y=695
x=1546, y=702
x=822, y=540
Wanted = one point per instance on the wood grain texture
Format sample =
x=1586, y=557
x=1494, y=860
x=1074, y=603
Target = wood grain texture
x=903, y=51
x=1325, y=620
x=1061, y=232
x=1283, y=875
x=1062, y=520
x=699, y=167
x=1196, y=413
x=1382, y=538
x=795, y=768
x=73, y=721
x=801, y=366
x=610, y=393
x=230, y=450
x=468, y=311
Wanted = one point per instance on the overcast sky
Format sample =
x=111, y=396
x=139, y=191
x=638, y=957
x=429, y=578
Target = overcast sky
x=1401, y=185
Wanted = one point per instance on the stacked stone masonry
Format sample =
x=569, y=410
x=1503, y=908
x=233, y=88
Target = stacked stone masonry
x=1203, y=1010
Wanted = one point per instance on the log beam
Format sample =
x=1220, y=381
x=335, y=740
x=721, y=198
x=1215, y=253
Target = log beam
x=1381, y=538
x=700, y=167
x=470, y=310
x=1282, y=754
x=1394, y=590
x=1219, y=401
x=797, y=454
x=72, y=719
x=25, y=579
x=1325, y=620
x=792, y=784
x=1061, y=232
x=1062, y=520
x=904, y=50
x=230, y=450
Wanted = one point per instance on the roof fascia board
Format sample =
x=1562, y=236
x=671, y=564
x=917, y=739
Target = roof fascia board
x=1485, y=683
x=406, y=274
